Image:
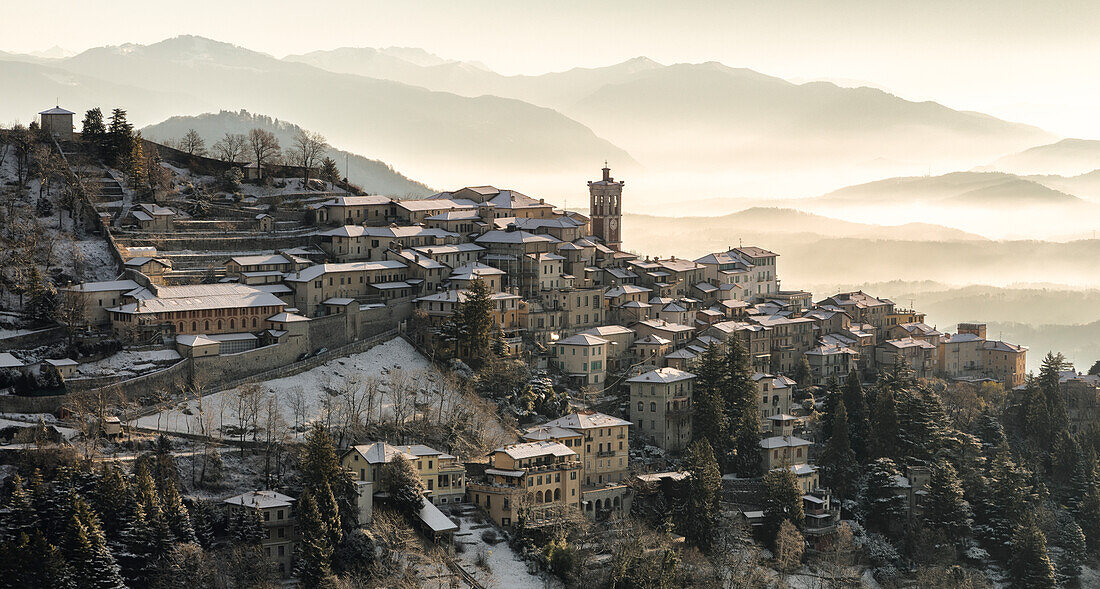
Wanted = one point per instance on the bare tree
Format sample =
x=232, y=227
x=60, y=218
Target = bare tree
x=309, y=148
x=192, y=143
x=246, y=408
x=231, y=147
x=264, y=146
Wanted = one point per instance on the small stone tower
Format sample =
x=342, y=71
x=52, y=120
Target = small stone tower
x=605, y=209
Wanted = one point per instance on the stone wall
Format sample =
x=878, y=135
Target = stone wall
x=34, y=339
x=228, y=243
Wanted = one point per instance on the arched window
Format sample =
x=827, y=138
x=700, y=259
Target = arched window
x=557, y=494
x=181, y=327
x=598, y=505
x=194, y=326
x=538, y=497
x=219, y=324
x=253, y=322
x=207, y=322
x=232, y=323
x=616, y=503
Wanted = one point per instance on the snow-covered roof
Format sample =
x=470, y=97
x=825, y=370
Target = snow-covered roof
x=586, y=420
x=662, y=375
x=61, y=362
x=435, y=519
x=259, y=260
x=783, y=442
x=104, y=286
x=9, y=361
x=533, y=449
x=608, y=330
x=57, y=110
x=243, y=296
x=287, y=318
x=319, y=270
x=191, y=341
x=582, y=339
x=261, y=499
x=548, y=432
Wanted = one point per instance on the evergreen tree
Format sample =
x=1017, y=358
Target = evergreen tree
x=136, y=545
x=698, y=513
x=119, y=140
x=314, y=550
x=1088, y=516
x=782, y=502
x=828, y=406
x=990, y=432
x=743, y=411
x=177, y=516
x=1031, y=566
x=42, y=299
x=1094, y=370
x=476, y=321
x=1006, y=495
x=400, y=479
x=1052, y=393
x=922, y=430
x=838, y=461
x=30, y=562
x=135, y=163
x=882, y=506
x=856, y=404
x=1074, y=552
x=1033, y=415
x=246, y=527
x=945, y=508
x=329, y=172
x=113, y=500
x=86, y=551
x=709, y=419
x=320, y=466
x=93, y=132
x=21, y=517
x=802, y=373
x=884, y=425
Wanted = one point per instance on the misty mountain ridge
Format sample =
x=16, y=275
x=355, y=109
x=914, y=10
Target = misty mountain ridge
x=957, y=188
x=1068, y=157
x=400, y=124
x=375, y=177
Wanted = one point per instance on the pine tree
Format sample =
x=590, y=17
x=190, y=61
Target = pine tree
x=400, y=479
x=246, y=527
x=802, y=373
x=945, y=508
x=1006, y=495
x=1031, y=566
x=21, y=517
x=135, y=545
x=698, y=514
x=93, y=132
x=86, y=551
x=1033, y=415
x=135, y=163
x=113, y=500
x=320, y=466
x=30, y=562
x=709, y=420
x=856, y=404
x=42, y=299
x=1052, y=393
x=177, y=516
x=314, y=550
x=922, y=430
x=1074, y=552
x=743, y=411
x=782, y=502
x=882, y=506
x=838, y=461
x=329, y=172
x=884, y=425
x=828, y=406
x=476, y=313
x=119, y=139
x=990, y=432
x=1088, y=516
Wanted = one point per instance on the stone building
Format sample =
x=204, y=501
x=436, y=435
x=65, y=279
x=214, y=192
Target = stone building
x=605, y=209
x=276, y=511
x=661, y=407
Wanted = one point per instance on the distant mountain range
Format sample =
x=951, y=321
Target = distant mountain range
x=710, y=115
x=1068, y=157
x=394, y=122
x=460, y=121
x=959, y=188
x=373, y=176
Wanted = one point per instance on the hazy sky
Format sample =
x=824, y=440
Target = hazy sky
x=1030, y=61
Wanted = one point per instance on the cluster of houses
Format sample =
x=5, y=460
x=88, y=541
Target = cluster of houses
x=566, y=297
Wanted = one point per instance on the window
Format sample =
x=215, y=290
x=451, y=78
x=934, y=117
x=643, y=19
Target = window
x=279, y=514
x=652, y=406
x=267, y=516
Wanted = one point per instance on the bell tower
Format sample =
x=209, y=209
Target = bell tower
x=605, y=209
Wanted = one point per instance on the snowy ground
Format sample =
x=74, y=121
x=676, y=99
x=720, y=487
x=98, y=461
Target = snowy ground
x=395, y=359
x=128, y=363
x=506, y=568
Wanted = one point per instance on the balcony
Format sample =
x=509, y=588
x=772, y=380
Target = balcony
x=605, y=453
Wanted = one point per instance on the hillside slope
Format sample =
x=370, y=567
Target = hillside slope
x=373, y=176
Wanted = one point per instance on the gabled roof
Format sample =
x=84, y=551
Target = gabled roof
x=548, y=432
x=261, y=499
x=582, y=339
x=535, y=449
x=663, y=376
x=783, y=442
x=319, y=270
x=587, y=420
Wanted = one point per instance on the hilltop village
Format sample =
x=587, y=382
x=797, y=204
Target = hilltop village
x=499, y=370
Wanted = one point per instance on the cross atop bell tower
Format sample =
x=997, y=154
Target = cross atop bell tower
x=605, y=208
